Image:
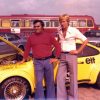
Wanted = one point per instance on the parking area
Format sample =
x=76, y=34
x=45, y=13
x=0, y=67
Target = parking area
x=88, y=92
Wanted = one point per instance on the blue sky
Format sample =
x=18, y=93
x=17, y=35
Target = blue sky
x=51, y=7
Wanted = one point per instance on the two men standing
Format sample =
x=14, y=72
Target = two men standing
x=41, y=44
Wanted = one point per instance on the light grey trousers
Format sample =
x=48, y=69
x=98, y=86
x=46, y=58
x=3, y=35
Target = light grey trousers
x=67, y=61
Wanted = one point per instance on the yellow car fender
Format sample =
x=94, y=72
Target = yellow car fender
x=94, y=73
x=23, y=71
x=15, y=73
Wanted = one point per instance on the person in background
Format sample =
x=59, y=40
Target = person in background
x=41, y=44
x=67, y=37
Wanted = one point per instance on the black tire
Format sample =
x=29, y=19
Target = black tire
x=14, y=88
x=98, y=81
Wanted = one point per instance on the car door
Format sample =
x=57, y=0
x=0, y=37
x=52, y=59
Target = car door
x=86, y=62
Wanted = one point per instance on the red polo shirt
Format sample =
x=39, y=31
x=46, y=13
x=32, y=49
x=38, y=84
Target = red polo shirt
x=41, y=45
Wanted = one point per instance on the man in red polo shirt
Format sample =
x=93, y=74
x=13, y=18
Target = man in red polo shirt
x=41, y=44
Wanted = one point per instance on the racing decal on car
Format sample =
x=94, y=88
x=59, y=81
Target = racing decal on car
x=90, y=60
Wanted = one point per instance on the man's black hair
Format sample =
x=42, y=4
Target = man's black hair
x=40, y=21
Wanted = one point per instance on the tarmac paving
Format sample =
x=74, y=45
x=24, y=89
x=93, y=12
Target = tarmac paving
x=88, y=92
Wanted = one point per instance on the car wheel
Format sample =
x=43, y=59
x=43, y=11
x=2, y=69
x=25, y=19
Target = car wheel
x=98, y=81
x=15, y=88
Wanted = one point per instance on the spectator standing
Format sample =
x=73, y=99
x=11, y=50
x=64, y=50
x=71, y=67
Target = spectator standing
x=67, y=37
x=41, y=44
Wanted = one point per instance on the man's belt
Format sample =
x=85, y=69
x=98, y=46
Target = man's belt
x=65, y=52
x=44, y=58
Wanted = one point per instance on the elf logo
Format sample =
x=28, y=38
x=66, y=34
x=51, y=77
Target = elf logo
x=90, y=60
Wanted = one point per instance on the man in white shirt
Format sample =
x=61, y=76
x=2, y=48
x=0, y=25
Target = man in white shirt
x=67, y=37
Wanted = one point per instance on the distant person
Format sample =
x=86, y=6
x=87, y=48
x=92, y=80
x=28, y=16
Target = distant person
x=41, y=44
x=67, y=36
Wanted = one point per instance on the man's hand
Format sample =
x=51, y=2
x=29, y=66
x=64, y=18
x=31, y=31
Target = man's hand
x=73, y=52
x=21, y=62
x=52, y=60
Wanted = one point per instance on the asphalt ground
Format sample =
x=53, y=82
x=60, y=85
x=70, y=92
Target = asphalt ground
x=88, y=92
x=85, y=92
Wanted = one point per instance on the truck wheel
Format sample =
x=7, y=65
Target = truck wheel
x=15, y=88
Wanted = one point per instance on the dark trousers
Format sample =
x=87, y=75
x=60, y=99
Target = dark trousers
x=43, y=68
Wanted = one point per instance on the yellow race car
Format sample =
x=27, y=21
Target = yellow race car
x=17, y=81
x=89, y=65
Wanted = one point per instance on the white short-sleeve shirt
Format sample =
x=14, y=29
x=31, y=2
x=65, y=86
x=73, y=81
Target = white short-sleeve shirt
x=68, y=43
